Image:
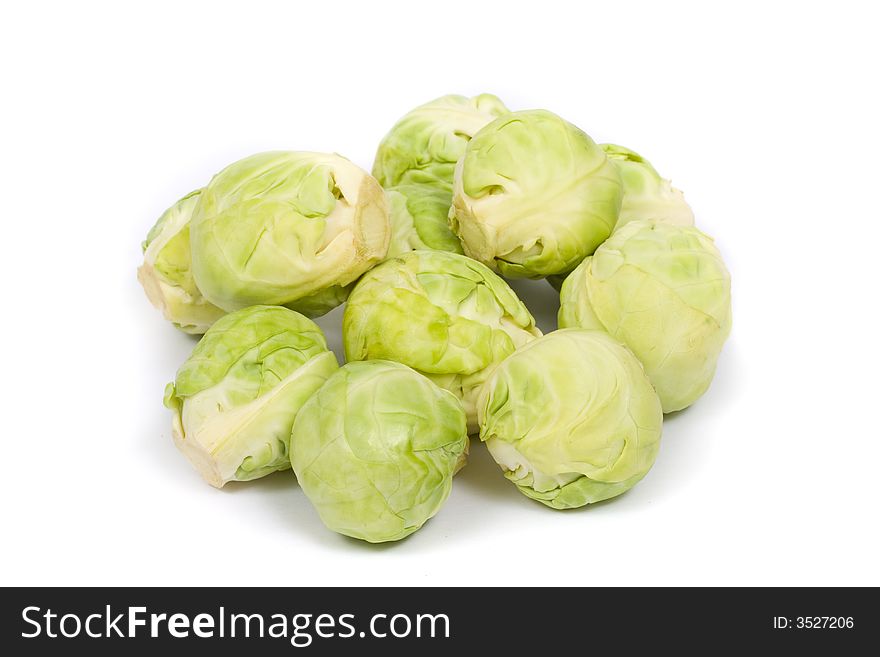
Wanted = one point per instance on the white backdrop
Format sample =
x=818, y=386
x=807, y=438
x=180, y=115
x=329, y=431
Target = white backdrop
x=766, y=114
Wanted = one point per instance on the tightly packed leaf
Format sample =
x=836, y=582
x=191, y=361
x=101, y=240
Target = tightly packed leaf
x=375, y=450
x=645, y=194
x=664, y=292
x=404, y=235
x=235, y=398
x=571, y=418
x=287, y=228
x=166, y=274
x=445, y=315
x=417, y=159
x=533, y=195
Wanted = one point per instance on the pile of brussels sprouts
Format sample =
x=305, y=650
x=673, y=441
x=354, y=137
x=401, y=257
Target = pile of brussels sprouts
x=463, y=191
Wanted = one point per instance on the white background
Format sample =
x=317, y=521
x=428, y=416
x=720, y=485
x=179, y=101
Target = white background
x=766, y=114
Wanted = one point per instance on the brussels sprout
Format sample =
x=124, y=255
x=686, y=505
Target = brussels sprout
x=404, y=236
x=443, y=314
x=166, y=274
x=417, y=159
x=645, y=194
x=664, y=292
x=375, y=449
x=287, y=228
x=235, y=398
x=571, y=418
x=533, y=195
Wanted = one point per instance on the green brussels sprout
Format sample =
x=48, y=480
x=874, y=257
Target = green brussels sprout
x=445, y=315
x=645, y=194
x=417, y=158
x=166, y=274
x=287, y=228
x=375, y=450
x=533, y=195
x=404, y=236
x=235, y=398
x=571, y=418
x=664, y=292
